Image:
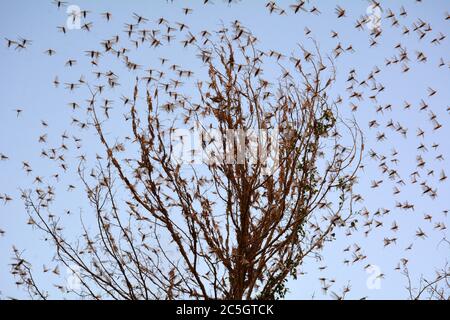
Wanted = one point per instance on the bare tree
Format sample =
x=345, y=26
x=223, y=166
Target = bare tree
x=437, y=288
x=239, y=222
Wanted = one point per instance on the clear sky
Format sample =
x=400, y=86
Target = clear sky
x=26, y=83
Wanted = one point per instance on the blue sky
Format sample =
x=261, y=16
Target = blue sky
x=26, y=83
